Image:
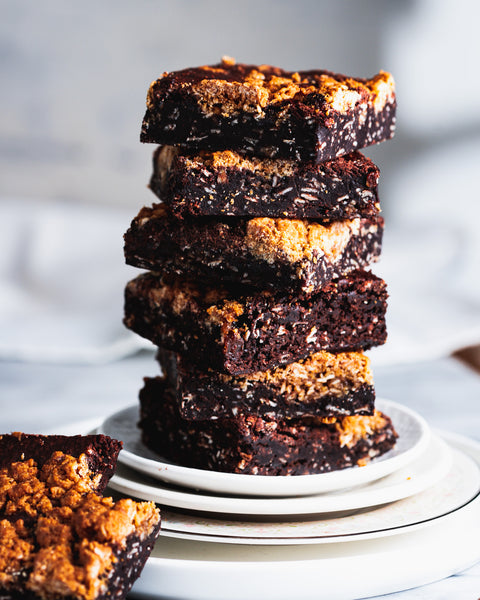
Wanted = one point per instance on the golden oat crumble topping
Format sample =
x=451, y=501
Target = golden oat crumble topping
x=353, y=429
x=227, y=312
x=227, y=159
x=320, y=373
x=295, y=240
x=258, y=87
x=183, y=296
x=59, y=533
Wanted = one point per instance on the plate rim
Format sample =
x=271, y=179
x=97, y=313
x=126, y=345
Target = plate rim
x=474, y=500
x=375, y=469
x=184, y=499
x=190, y=569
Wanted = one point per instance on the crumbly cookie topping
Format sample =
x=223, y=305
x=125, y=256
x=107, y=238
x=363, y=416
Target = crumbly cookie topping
x=224, y=313
x=353, y=429
x=382, y=87
x=229, y=88
x=183, y=296
x=57, y=533
x=295, y=240
x=228, y=159
x=320, y=373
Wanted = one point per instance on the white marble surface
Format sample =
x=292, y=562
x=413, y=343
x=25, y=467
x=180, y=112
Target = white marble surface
x=35, y=397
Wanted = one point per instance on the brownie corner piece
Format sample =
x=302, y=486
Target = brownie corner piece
x=100, y=451
x=58, y=536
x=267, y=111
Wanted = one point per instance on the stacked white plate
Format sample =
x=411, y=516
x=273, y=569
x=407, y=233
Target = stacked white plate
x=407, y=518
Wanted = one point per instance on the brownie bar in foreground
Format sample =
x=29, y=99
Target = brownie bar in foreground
x=293, y=254
x=252, y=445
x=101, y=451
x=228, y=184
x=58, y=537
x=265, y=111
x=321, y=385
x=239, y=331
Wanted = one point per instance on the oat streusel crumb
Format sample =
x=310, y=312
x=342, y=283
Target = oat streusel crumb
x=352, y=429
x=57, y=533
x=228, y=88
x=320, y=373
x=294, y=240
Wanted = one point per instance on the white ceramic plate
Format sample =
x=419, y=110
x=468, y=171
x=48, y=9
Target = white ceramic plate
x=457, y=488
x=356, y=568
x=414, y=435
x=421, y=473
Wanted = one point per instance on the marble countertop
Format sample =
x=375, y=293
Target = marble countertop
x=37, y=397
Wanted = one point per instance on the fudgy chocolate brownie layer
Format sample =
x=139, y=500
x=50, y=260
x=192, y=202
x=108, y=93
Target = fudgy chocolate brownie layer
x=58, y=537
x=252, y=445
x=100, y=451
x=239, y=331
x=266, y=111
x=321, y=385
x=229, y=184
x=127, y=566
x=293, y=254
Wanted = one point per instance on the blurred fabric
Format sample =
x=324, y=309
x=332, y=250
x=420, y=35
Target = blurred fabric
x=73, y=173
x=62, y=276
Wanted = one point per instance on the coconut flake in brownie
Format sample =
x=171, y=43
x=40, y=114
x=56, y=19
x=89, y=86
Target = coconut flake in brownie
x=321, y=385
x=237, y=330
x=296, y=254
x=225, y=183
x=253, y=445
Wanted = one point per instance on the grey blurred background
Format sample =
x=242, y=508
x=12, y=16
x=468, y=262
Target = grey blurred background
x=75, y=74
x=74, y=77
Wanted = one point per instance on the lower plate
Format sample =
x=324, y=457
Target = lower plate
x=359, y=568
x=354, y=568
x=460, y=485
x=429, y=468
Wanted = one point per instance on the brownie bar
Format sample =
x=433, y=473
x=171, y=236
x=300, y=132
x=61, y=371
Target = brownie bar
x=293, y=254
x=228, y=184
x=237, y=330
x=253, y=445
x=265, y=111
x=58, y=537
x=101, y=451
x=321, y=385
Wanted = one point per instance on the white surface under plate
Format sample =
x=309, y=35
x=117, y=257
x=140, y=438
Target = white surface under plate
x=357, y=568
x=423, y=472
x=413, y=431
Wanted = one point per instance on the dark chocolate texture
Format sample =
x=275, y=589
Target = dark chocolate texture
x=266, y=111
x=227, y=184
x=293, y=254
x=238, y=330
x=321, y=385
x=252, y=445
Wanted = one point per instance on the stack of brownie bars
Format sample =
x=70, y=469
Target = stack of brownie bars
x=256, y=292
